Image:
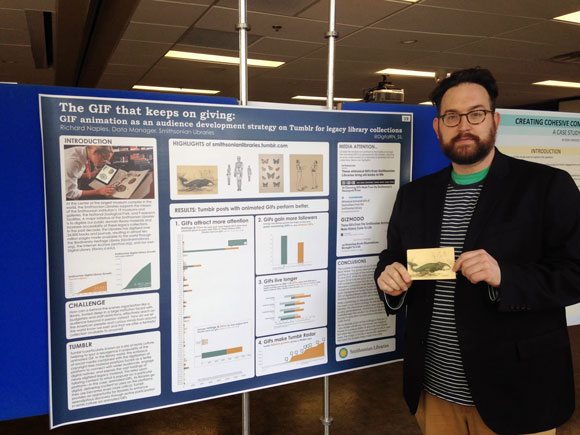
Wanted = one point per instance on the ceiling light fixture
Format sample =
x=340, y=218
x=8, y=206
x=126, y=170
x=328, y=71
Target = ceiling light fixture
x=574, y=17
x=180, y=90
x=406, y=72
x=306, y=97
x=558, y=83
x=426, y=103
x=409, y=41
x=214, y=58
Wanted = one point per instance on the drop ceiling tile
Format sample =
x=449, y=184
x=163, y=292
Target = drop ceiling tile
x=35, y=5
x=366, y=54
x=142, y=48
x=169, y=13
x=391, y=39
x=541, y=70
x=191, y=75
x=317, y=69
x=26, y=75
x=138, y=59
x=115, y=81
x=283, y=47
x=136, y=71
x=215, y=38
x=496, y=47
x=565, y=36
x=153, y=32
x=454, y=61
x=352, y=12
x=521, y=8
x=452, y=21
x=13, y=19
x=285, y=7
x=191, y=2
x=14, y=37
x=298, y=29
x=11, y=54
x=306, y=69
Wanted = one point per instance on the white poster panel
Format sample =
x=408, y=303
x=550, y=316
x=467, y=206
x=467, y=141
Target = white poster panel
x=551, y=138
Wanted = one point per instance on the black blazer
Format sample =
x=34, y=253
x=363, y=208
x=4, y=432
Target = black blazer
x=516, y=352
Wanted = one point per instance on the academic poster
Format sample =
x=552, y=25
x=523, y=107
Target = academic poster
x=203, y=250
x=550, y=138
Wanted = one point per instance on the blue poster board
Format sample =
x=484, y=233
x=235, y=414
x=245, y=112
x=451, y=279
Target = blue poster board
x=23, y=314
x=173, y=151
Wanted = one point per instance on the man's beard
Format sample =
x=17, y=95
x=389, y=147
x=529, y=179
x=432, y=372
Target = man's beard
x=467, y=155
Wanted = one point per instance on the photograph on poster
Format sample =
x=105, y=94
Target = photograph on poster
x=107, y=172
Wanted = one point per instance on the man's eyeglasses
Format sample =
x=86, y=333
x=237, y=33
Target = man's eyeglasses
x=452, y=119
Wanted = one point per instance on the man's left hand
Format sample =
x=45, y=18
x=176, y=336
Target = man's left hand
x=478, y=266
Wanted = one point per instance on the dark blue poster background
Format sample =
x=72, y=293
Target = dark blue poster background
x=24, y=382
x=164, y=121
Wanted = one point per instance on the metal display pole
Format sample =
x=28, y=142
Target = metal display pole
x=243, y=29
x=331, y=35
x=327, y=419
x=246, y=413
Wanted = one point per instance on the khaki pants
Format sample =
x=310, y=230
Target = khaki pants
x=440, y=417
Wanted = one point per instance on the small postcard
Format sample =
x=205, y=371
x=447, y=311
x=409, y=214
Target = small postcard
x=434, y=263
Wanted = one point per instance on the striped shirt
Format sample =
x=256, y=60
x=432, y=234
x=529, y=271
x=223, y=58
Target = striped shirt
x=444, y=374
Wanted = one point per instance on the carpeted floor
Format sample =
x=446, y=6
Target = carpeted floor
x=366, y=401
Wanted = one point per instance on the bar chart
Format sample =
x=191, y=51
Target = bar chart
x=289, y=302
x=291, y=243
x=222, y=343
x=212, y=304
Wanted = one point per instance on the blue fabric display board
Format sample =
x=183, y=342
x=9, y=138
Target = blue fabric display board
x=194, y=249
x=23, y=314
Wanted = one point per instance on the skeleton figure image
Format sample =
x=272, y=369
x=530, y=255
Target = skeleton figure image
x=229, y=173
x=249, y=174
x=239, y=172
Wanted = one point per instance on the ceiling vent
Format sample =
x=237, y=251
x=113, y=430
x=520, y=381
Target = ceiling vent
x=573, y=57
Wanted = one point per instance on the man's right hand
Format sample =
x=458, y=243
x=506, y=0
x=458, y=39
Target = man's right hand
x=395, y=279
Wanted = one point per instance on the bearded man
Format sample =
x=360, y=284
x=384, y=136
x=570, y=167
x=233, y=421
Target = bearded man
x=487, y=352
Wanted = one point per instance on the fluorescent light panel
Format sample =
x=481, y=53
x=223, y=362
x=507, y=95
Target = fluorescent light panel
x=574, y=17
x=214, y=58
x=558, y=83
x=406, y=72
x=426, y=103
x=307, y=97
x=180, y=90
